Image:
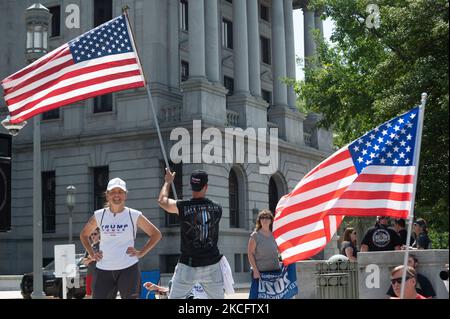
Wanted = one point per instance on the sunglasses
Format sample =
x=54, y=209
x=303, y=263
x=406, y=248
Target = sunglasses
x=265, y=217
x=399, y=280
x=94, y=234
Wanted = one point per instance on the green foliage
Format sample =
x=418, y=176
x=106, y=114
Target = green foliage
x=439, y=240
x=369, y=75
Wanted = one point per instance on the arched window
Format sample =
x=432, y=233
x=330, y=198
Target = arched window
x=233, y=189
x=277, y=188
x=273, y=195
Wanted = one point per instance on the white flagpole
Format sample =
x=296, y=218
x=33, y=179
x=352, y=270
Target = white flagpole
x=416, y=175
x=149, y=95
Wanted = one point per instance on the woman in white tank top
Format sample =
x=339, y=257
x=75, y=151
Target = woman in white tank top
x=117, y=258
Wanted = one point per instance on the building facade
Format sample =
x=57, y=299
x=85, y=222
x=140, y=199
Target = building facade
x=220, y=62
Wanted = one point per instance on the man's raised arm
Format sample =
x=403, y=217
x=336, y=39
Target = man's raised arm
x=166, y=203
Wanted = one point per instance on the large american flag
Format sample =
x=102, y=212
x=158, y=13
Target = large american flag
x=101, y=61
x=374, y=175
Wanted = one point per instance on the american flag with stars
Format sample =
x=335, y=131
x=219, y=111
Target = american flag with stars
x=372, y=176
x=101, y=61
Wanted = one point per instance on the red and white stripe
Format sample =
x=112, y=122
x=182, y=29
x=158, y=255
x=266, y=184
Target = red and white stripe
x=55, y=80
x=308, y=217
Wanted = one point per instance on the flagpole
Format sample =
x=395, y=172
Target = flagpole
x=149, y=95
x=416, y=175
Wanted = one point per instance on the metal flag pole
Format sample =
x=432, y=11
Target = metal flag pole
x=149, y=95
x=416, y=175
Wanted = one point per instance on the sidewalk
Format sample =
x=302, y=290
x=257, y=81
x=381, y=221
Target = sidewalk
x=10, y=294
x=10, y=289
x=16, y=295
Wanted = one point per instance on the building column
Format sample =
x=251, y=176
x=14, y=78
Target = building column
x=252, y=111
x=308, y=28
x=240, y=47
x=173, y=39
x=318, y=22
x=289, y=121
x=212, y=41
x=254, y=48
x=278, y=54
x=203, y=100
x=290, y=52
x=197, y=57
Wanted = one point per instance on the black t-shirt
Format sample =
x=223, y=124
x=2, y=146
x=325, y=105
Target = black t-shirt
x=423, y=287
x=403, y=233
x=381, y=238
x=347, y=244
x=199, y=225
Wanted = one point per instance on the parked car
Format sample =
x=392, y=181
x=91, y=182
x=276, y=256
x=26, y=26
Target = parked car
x=53, y=285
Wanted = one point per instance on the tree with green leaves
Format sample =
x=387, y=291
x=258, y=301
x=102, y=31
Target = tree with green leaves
x=370, y=73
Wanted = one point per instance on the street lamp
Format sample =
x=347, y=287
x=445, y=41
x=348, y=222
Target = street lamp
x=255, y=212
x=13, y=129
x=70, y=200
x=37, y=20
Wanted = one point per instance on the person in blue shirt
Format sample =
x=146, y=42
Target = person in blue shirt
x=422, y=240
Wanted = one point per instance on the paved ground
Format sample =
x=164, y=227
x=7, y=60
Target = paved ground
x=10, y=295
x=17, y=295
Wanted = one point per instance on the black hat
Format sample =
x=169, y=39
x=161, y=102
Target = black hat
x=421, y=222
x=199, y=179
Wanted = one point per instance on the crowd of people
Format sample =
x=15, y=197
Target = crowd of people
x=382, y=237
x=113, y=260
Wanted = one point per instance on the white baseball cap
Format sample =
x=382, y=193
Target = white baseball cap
x=117, y=183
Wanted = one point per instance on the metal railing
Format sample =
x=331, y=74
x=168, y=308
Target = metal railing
x=232, y=118
x=337, y=280
x=307, y=138
x=171, y=113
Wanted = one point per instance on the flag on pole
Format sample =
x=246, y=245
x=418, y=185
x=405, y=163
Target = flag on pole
x=373, y=175
x=101, y=61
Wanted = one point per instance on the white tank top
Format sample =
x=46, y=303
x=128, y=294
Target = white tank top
x=118, y=232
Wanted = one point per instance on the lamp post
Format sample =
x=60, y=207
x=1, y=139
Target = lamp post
x=255, y=212
x=37, y=19
x=70, y=200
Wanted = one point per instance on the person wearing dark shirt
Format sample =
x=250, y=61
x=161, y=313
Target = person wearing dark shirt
x=422, y=240
x=400, y=228
x=199, y=217
x=348, y=247
x=381, y=237
x=423, y=285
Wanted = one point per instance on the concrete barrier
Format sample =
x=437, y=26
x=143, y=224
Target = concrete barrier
x=306, y=279
x=374, y=270
x=10, y=283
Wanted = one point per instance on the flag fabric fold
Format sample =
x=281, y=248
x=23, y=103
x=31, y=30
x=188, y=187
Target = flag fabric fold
x=101, y=61
x=372, y=176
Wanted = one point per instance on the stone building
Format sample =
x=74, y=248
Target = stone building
x=218, y=61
